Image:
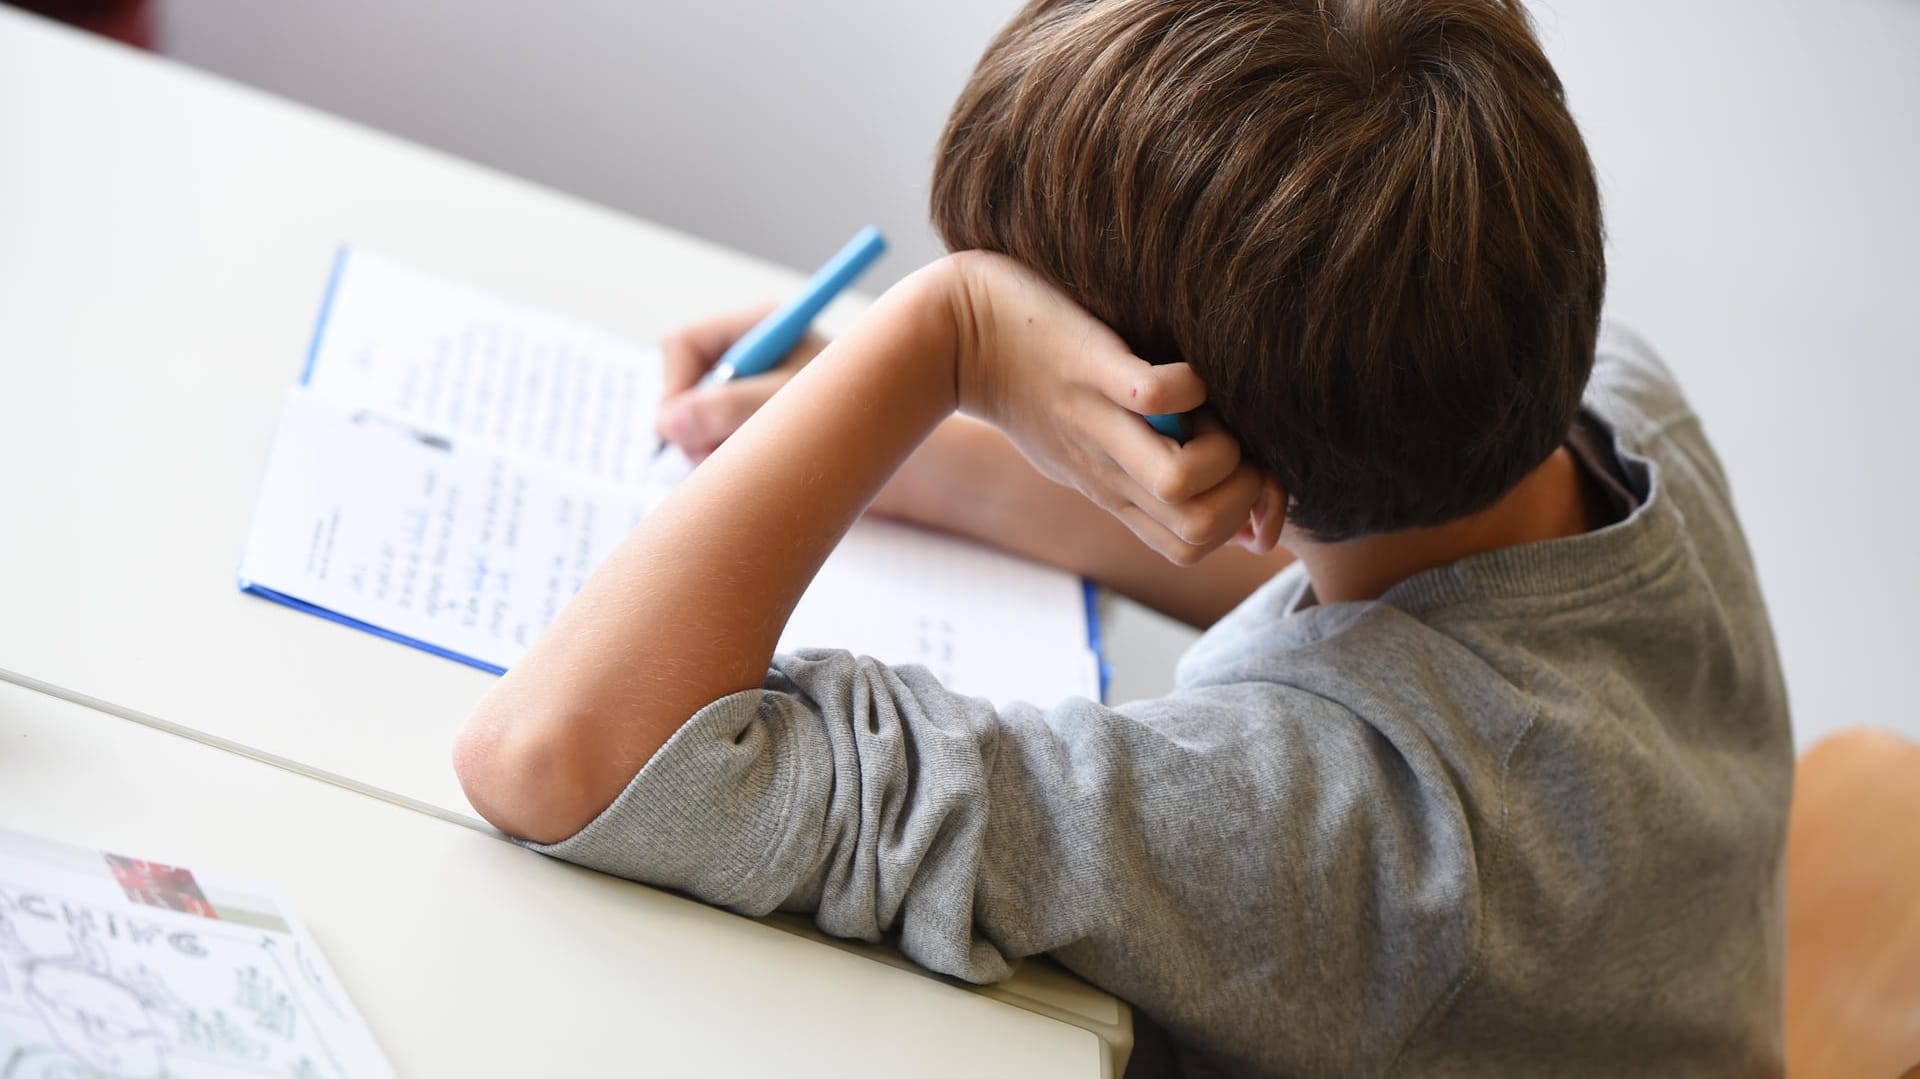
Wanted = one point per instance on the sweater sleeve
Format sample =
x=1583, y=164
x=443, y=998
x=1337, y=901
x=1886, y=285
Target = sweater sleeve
x=1156, y=848
x=865, y=794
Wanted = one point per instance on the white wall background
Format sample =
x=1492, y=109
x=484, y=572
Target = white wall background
x=1759, y=160
x=773, y=126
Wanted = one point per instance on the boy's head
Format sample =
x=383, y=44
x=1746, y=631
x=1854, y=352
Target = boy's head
x=1371, y=226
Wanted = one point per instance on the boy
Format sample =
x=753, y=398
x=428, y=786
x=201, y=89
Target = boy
x=1493, y=780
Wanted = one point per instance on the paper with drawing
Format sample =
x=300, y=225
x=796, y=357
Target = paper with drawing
x=114, y=966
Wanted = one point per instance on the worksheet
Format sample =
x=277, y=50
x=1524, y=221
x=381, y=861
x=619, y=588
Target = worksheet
x=470, y=551
x=117, y=966
x=433, y=489
x=447, y=358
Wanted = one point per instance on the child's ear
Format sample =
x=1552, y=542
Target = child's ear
x=1265, y=520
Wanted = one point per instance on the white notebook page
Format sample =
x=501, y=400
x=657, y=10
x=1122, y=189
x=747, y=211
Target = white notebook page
x=474, y=552
x=416, y=485
x=452, y=359
x=469, y=551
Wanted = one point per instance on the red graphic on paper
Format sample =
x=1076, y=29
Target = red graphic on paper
x=164, y=886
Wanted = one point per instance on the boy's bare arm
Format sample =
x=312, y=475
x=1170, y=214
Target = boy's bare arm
x=969, y=480
x=688, y=609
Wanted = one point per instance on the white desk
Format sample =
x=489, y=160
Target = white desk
x=469, y=956
x=164, y=242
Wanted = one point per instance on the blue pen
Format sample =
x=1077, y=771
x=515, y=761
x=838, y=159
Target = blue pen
x=768, y=343
x=1171, y=424
x=764, y=346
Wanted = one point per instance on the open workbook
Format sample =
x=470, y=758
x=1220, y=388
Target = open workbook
x=116, y=966
x=451, y=468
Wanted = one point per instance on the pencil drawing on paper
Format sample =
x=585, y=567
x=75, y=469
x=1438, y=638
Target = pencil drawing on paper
x=92, y=988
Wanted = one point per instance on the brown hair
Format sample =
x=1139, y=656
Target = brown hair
x=1370, y=225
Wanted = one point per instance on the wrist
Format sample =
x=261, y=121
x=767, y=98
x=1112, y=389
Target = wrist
x=886, y=385
x=935, y=300
x=965, y=300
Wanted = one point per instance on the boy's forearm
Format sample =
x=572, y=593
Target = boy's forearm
x=691, y=605
x=967, y=479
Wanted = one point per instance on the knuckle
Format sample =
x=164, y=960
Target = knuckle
x=1223, y=522
x=1224, y=450
x=1151, y=396
x=707, y=415
x=1169, y=483
x=1185, y=554
x=1193, y=524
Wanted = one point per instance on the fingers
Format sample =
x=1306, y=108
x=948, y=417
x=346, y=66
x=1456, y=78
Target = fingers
x=689, y=352
x=1170, y=471
x=1196, y=530
x=1210, y=518
x=699, y=421
x=1197, y=496
x=1186, y=531
x=1149, y=389
x=1155, y=535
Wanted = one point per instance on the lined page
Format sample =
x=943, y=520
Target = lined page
x=474, y=552
x=456, y=466
x=455, y=360
x=468, y=551
x=984, y=623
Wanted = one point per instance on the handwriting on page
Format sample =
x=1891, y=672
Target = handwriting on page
x=458, y=465
x=418, y=569
x=983, y=623
x=454, y=360
x=471, y=552
x=475, y=553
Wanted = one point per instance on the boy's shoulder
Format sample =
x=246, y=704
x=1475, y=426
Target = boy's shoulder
x=1607, y=713
x=1631, y=388
x=1458, y=639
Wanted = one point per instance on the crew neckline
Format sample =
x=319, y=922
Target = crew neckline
x=1619, y=554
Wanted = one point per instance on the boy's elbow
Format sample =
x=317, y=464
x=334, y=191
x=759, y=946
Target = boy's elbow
x=522, y=773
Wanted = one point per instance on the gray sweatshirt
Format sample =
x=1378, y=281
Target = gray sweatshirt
x=1522, y=815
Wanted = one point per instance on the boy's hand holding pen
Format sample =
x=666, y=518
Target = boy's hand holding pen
x=698, y=418
x=1065, y=389
x=773, y=337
